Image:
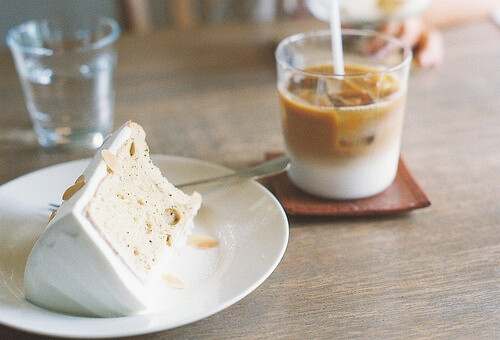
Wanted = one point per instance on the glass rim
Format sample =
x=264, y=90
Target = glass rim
x=352, y=32
x=108, y=39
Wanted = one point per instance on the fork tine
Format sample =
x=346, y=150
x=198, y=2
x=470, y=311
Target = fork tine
x=54, y=206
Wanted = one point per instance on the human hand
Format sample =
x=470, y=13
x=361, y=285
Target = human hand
x=426, y=42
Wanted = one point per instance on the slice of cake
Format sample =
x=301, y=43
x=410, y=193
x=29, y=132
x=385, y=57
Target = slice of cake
x=112, y=235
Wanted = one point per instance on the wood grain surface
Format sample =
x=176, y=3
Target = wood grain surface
x=210, y=93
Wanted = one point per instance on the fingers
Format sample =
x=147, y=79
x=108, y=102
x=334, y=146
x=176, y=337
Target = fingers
x=391, y=28
x=376, y=44
x=426, y=43
x=411, y=31
x=429, y=52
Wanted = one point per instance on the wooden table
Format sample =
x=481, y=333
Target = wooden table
x=434, y=272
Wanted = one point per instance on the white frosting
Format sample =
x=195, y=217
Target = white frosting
x=72, y=269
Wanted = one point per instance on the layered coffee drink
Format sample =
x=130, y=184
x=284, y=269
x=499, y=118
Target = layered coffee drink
x=342, y=128
x=345, y=132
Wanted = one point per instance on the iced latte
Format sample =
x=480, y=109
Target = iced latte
x=342, y=133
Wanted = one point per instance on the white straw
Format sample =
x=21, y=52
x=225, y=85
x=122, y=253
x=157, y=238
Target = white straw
x=336, y=35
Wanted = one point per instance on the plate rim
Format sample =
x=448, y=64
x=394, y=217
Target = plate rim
x=62, y=332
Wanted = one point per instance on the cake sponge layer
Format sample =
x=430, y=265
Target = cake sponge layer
x=138, y=211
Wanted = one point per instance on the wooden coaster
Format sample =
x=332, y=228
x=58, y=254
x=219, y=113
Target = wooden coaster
x=404, y=194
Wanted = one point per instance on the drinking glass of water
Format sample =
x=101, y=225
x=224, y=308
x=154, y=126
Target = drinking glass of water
x=66, y=71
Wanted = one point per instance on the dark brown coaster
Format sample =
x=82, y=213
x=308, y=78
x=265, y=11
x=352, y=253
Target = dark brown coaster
x=404, y=194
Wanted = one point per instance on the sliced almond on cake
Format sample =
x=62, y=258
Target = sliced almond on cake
x=132, y=148
x=112, y=161
x=52, y=216
x=72, y=190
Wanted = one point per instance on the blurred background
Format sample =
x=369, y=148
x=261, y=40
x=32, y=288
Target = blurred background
x=142, y=15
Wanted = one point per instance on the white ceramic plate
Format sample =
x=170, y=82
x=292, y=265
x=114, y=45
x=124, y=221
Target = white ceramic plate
x=248, y=221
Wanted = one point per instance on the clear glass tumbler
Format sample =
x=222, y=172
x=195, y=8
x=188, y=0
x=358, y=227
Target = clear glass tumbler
x=343, y=131
x=66, y=72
